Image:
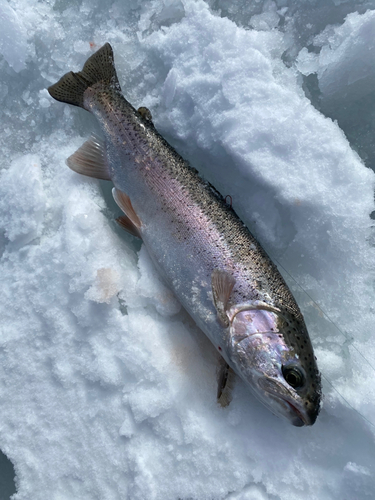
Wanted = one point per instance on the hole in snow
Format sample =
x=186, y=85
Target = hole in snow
x=7, y=474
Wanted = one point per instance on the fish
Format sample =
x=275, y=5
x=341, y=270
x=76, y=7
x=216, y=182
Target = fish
x=214, y=265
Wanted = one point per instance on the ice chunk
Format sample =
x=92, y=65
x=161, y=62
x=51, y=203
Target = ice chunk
x=268, y=19
x=307, y=62
x=345, y=65
x=346, y=62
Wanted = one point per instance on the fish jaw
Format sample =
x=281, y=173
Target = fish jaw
x=283, y=403
x=265, y=361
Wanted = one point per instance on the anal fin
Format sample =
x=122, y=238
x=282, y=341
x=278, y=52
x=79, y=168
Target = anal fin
x=127, y=224
x=123, y=201
x=89, y=160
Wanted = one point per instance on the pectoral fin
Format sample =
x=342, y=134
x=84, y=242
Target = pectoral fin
x=89, y=160
x=224, y=383
x=222, y=285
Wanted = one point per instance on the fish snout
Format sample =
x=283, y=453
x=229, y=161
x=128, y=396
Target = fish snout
x=298, y=411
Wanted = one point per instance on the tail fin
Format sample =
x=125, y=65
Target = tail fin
x=98, y=68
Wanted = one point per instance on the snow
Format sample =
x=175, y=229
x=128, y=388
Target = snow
x=13, y=40
x=107, y=387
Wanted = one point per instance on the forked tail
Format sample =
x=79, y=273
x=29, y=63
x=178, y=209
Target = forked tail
x=98, y=68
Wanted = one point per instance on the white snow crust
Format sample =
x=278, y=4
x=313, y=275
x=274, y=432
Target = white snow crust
x=107, y=388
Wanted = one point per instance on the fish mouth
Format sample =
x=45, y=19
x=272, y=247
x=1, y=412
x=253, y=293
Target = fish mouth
x=300, y=416
x=298, y=420
x=288, y=410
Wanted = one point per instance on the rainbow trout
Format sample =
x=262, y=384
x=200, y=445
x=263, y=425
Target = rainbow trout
x=213, y=264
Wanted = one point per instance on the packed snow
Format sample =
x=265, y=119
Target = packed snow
x=107, y=388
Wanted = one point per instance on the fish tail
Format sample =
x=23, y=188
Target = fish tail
x=98, y=68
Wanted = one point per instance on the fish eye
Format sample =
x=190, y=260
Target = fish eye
x=293, y=376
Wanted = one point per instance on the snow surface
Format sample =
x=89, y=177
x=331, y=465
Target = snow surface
x=107, y=388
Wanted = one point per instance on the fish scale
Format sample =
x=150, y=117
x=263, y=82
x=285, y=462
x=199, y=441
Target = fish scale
x=216, y=268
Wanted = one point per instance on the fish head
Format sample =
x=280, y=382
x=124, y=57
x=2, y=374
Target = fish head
x=272, y=353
